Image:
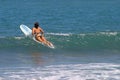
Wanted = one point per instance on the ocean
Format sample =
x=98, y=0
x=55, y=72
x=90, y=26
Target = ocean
x=85, y=33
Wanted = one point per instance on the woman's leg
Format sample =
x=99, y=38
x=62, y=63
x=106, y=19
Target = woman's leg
x=45, y=41
x=42, y=39
x=38, y=38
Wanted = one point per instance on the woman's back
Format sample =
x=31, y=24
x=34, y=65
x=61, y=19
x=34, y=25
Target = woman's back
x=37, y=30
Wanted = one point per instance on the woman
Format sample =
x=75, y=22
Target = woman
x=39, y=34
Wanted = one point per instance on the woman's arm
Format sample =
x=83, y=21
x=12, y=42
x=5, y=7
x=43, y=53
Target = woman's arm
x=41, y=30
x=33, y=31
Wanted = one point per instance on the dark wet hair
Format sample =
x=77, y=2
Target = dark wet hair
x=36, y=24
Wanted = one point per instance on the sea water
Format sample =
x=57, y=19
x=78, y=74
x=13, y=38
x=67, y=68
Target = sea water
x=85, y=33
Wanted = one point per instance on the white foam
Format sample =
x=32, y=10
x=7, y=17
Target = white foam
x=91, y=71
x=18, y=38
x=60, y=34
x=1, y=78
x=109, y=33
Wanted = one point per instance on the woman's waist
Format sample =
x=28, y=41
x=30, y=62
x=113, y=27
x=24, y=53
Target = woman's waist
x=38, y=34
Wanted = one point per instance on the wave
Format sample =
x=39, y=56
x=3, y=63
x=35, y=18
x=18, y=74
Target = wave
x=91, y=71
x=69, y=41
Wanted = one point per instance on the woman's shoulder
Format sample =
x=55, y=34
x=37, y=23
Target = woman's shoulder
x=33, y=28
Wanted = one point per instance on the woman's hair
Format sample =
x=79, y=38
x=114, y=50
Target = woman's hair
x=36, y=24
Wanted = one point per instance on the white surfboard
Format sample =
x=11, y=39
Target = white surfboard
x=28, y=33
